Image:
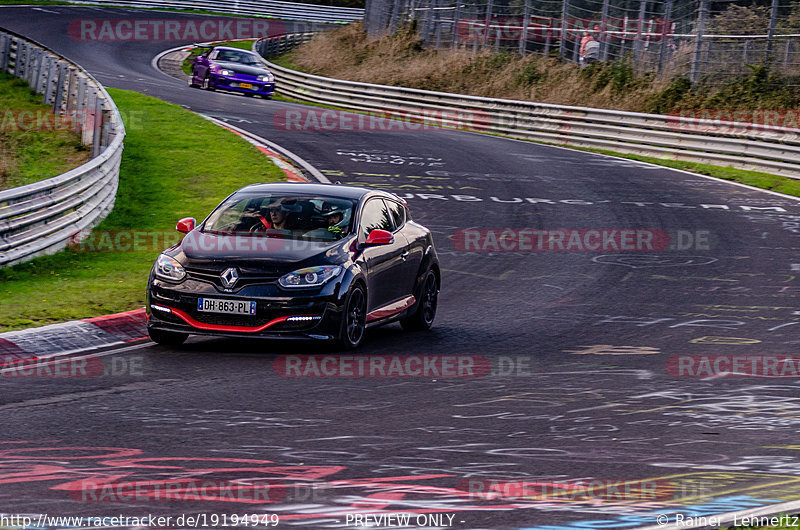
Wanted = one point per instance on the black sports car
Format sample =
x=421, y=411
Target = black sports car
x=311, y=261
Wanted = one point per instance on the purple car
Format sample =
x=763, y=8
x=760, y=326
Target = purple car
x=232, y=69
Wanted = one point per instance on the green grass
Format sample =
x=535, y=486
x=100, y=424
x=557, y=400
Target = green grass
x=175, y=164
x=189, y=61
x=30, y=152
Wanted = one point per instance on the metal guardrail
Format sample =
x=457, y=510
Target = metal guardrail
x=740, y=145
x=40, y=218
x=280, y=44
x=269, y=8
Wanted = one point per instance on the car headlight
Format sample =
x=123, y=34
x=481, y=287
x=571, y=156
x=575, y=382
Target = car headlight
x=269, y=78
x=226, y=72
x=310, y=277
x=168, y=268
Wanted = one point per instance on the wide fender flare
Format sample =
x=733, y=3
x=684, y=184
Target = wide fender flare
x=351, y=275
x=429, y=260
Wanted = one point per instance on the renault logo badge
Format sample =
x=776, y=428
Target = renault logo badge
x=229, y=277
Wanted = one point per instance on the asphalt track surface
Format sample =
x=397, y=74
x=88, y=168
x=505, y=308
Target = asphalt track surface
x=582, y=345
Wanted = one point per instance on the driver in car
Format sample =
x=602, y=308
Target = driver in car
x=334, y=216
x=279, y=217
x=275, y=216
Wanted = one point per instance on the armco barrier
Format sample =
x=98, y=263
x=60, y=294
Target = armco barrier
x=280, y=44
x=41, y=217
x=762, y=148
x=269, y=8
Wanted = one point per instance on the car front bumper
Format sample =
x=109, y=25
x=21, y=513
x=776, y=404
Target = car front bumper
x=234, y=84
x=279, y=315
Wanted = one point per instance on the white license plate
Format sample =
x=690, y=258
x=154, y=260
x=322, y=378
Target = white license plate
x=228, y=307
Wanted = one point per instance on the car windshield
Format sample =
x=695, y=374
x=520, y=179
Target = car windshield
x=288, y=216
x=233, y=56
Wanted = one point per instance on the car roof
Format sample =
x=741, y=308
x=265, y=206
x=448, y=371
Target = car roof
x=233, y=49
x=330, y=190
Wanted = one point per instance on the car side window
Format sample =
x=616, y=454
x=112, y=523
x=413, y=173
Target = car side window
x=375, y=215
x=397, y=212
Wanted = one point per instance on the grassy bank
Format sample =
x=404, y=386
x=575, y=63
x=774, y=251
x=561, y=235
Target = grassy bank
x=401, y=60
x=30, y=149
x=175, y=164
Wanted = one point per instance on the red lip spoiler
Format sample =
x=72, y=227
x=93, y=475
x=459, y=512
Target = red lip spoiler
x=218, y=327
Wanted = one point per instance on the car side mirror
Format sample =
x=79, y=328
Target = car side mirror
x=185, y=225
x=379, y=237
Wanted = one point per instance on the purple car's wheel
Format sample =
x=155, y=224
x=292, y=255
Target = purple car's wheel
x=191, y=80
x=207, y=83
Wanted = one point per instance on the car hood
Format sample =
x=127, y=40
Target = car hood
x=213, y=251
x=241, y=68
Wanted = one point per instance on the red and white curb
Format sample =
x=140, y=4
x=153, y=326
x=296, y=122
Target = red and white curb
x=72, y=337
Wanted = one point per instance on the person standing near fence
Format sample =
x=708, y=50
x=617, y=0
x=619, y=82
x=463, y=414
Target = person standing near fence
x=589, y=51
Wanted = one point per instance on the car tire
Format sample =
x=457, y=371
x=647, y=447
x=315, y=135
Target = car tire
x=167, y=338
x=191, y=81
x=422, y=317
x=354, y=319
x=207, y=83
